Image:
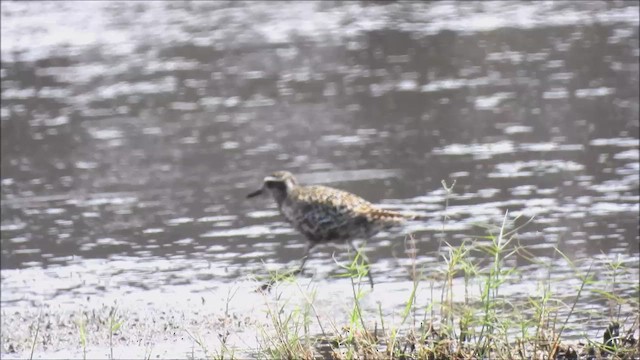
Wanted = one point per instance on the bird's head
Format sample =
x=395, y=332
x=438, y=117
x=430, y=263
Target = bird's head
x=278, y=185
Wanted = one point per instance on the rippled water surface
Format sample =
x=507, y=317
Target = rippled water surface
x=132, y=132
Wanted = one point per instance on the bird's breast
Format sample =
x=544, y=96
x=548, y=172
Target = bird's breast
x=288, y=211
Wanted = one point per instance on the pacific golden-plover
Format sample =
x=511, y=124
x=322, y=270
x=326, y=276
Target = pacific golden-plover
x=323, y=214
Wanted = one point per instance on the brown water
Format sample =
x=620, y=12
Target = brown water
x=131, y=133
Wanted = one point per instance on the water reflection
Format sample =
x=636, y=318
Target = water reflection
x=128, y=147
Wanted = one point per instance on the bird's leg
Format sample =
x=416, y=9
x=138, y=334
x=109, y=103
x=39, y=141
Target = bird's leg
x=366, y=259
x=307, y=253
x=267, y=286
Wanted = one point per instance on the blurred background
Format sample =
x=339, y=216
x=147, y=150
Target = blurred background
x=132, y=132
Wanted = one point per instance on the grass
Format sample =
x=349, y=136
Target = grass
x=223, y=351
x=81, y=323
x=484, y=323
x=114, y=325
x=35, y=336
x=113, y=322
x=290, y=338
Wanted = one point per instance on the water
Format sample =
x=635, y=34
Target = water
x=132, y=132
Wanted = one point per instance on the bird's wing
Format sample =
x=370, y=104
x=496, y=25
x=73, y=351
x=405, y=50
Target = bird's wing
x=349, y=204
x=324, y=210
x=337, y=199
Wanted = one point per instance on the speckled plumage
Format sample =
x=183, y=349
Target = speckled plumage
x=324, y=214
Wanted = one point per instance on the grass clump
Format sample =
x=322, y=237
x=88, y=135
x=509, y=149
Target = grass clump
x=287, y=335
x=487, y=322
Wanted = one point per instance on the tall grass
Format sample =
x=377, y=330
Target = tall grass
x=287, y=335
x=81, y=323
x=223, y=350
x=484, y=323
x=115, y=322
x=35, y=336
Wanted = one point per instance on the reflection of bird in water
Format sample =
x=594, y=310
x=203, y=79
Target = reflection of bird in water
x=323, y=214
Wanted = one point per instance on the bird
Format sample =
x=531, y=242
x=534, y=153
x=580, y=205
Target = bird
x=324, y=214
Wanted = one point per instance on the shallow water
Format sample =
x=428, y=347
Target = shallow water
x=131, y=134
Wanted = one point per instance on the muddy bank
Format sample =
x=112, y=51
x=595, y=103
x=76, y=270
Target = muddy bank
x=234, y=318
x=153, y=324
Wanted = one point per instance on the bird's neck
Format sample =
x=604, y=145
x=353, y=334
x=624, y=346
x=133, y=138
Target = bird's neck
x=280, y=197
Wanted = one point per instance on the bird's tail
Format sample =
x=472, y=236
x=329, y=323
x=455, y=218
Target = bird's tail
x=414, y=216
x=392, y=216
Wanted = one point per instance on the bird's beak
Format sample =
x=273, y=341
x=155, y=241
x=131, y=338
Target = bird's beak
x=255, y=193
